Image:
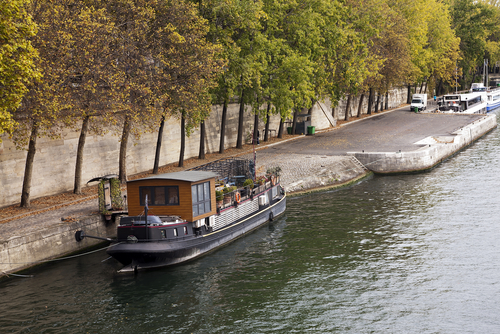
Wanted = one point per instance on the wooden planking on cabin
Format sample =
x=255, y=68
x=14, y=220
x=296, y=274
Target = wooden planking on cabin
x=185, y=207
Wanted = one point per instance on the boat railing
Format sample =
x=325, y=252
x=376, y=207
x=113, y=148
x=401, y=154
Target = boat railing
x=233, y=198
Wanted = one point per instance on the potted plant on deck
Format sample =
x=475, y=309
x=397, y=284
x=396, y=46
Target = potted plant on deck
x=219, y=197
x=260, y=180
x=227, y=194
x=247, y=187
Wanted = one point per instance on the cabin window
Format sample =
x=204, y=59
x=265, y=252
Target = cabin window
x=185, y=230
x=201, y=198
x=160, y=195
x=163, y=234
x=175, y=232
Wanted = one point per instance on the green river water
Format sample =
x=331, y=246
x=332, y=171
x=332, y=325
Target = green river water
x=396, y=254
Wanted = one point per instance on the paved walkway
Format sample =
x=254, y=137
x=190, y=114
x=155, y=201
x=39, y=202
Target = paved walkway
x=387, y=132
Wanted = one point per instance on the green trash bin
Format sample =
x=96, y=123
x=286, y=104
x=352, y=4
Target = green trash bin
x=415, y=109
x=289, y=130
x=311, y=130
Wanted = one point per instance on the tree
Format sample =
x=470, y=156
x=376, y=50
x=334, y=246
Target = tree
x=46, y=100
x=167, y=66
x=95, y=78
x=187, y=64
x=391, y=47
x=493, y=40
x=136, y=102
x=17, y=59
x=159, y=140
x=201, y=154
x=444, y=46
x=346, y=59
x=290, y=37
x=473, y=22
x=233, y=25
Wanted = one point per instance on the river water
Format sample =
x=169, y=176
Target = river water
x=395, y=254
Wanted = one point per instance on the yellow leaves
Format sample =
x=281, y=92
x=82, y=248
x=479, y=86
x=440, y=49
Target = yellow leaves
x=17, y=57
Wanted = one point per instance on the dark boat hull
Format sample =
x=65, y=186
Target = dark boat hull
x=154, y=254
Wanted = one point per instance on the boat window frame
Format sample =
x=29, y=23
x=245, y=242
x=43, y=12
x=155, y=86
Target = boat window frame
x=474, y=101
x=201, y=197
x=171, y=195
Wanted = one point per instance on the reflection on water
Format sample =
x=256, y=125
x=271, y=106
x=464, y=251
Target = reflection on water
x=408, y=253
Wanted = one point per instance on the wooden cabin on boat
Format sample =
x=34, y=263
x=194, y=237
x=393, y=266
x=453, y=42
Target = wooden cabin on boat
x=188, y=194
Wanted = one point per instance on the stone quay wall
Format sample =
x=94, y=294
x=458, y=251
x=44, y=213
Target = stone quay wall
x=54, y=164
x=44, y=244
x=434, y=150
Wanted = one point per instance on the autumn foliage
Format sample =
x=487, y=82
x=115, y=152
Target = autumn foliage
x=123, y=66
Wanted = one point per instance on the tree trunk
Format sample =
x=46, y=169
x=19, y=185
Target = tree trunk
x=335, y=113
x=439, y=87
x=122, y=174
x=255, y=136
x=386, y=100
x=239, y=142
x=360, y=104
x=183, y=140
x=28, y=171
x=77, y=187
x=223, y=127
x=201, y=155
x=280, y=130
x=268, y=117
x=370, y=101
x=473, y=80
x=421, y=87
x=158, y=146
x=378, y=102
x=408, y=98
x=294, y=122
x=310, y=110
x=347, y=107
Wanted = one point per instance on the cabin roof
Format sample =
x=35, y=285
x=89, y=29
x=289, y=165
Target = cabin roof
x=188, y=176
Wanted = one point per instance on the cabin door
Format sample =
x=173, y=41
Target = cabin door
x=107, y=195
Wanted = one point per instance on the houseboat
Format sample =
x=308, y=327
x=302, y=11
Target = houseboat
x=470, y=103
x=492, y=95
x=492, y=99
x=176, y=217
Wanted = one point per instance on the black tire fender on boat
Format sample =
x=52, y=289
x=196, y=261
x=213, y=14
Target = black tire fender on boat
x=271, y=216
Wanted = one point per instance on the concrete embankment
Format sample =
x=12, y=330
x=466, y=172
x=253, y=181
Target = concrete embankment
x=432, y=151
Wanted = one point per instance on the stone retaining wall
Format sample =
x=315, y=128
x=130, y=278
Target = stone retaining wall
x=55, y=241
